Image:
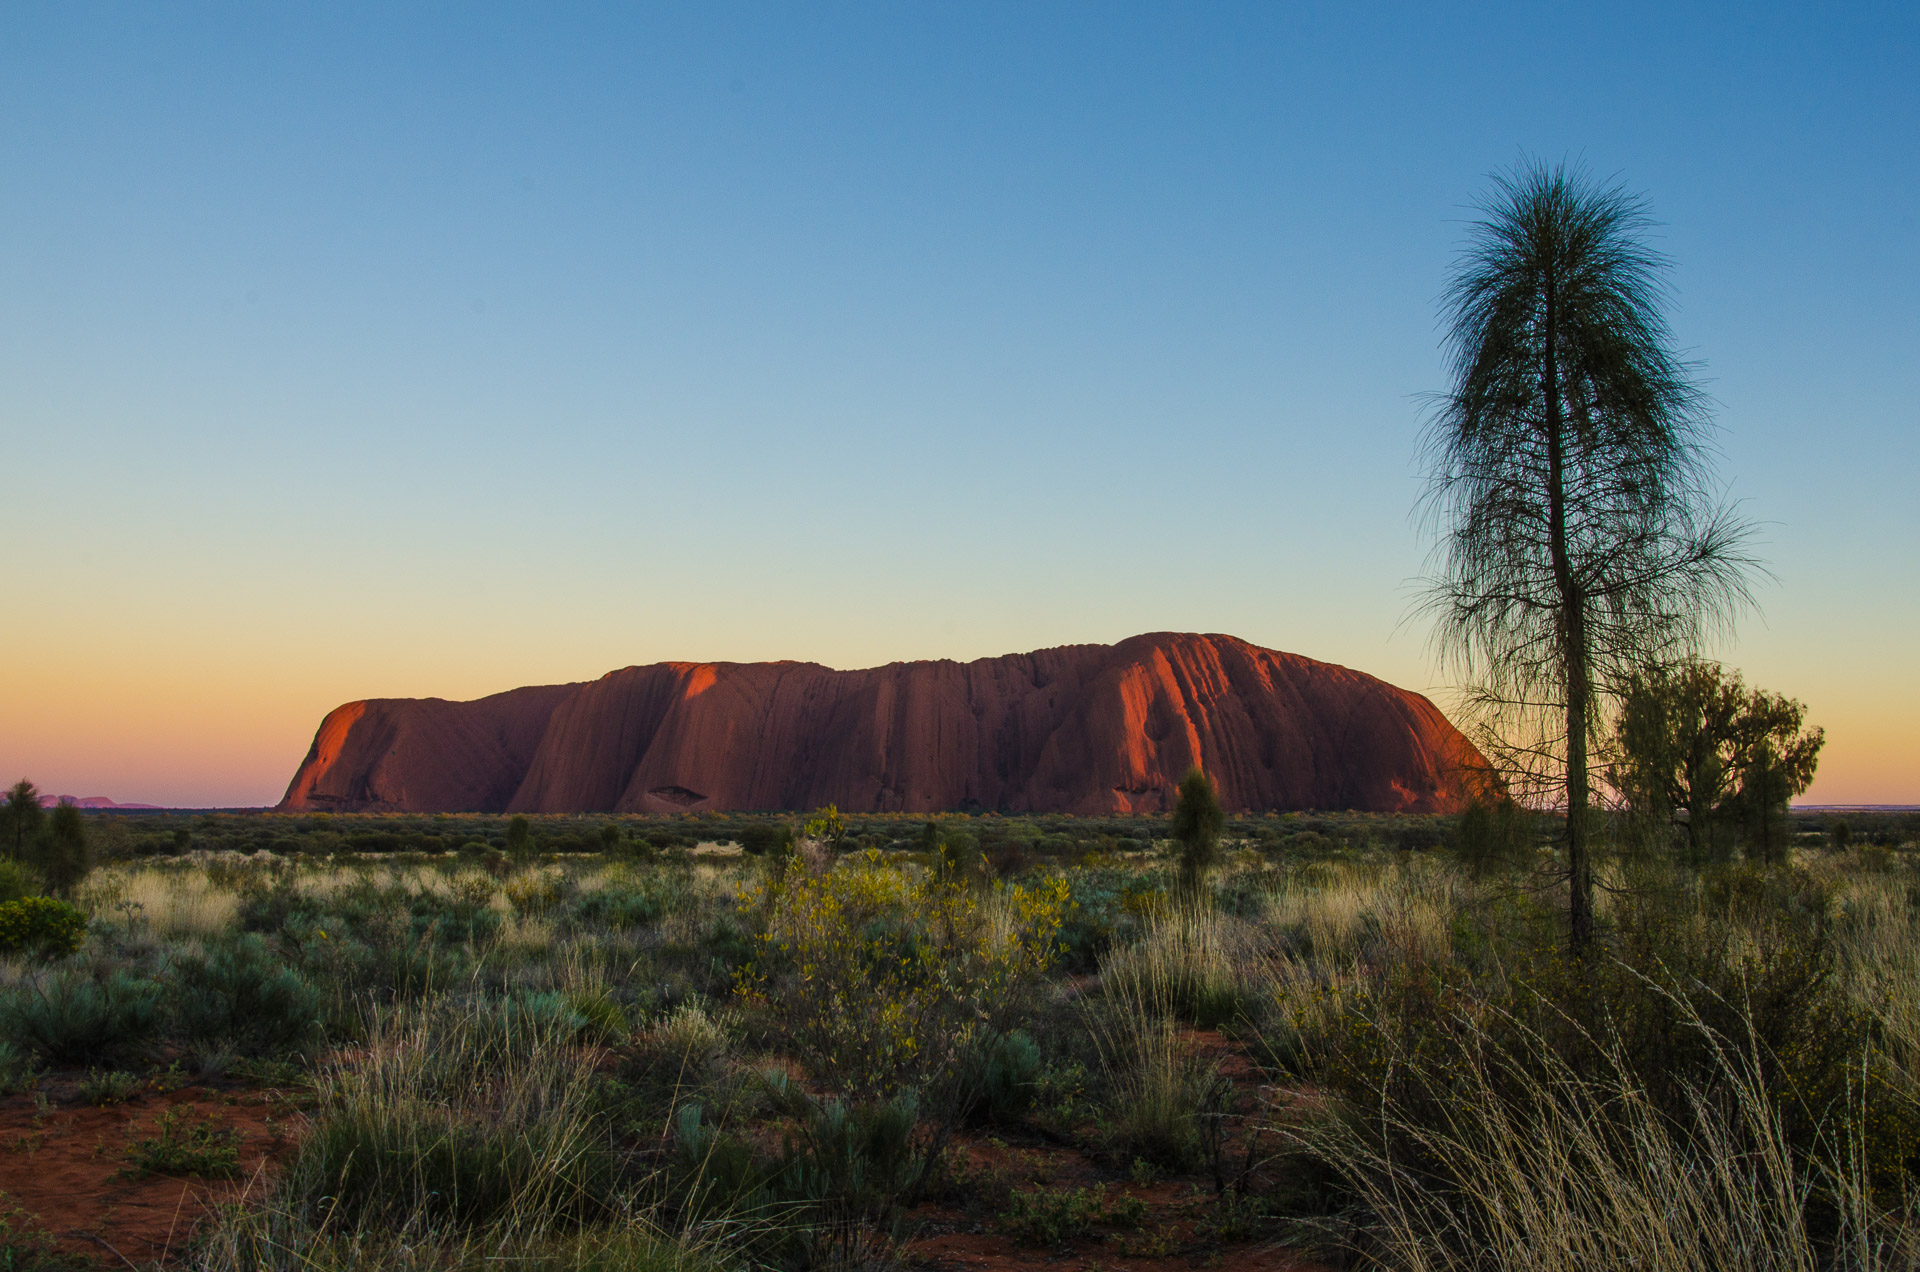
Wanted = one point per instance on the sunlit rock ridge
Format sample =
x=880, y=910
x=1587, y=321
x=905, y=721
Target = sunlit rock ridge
x=1075, y=729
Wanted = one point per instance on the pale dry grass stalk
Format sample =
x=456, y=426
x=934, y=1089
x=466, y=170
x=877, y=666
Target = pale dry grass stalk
x=1878, y=942
x=1340, y=912
x=1344, y=927
x=1192, y=963
x=262, y=1236
x=1190, y=955
x=1149, y=1067
x=1548, y=1171
x=175, y=902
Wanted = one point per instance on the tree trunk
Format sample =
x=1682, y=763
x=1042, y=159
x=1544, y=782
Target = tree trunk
x=1573, y=646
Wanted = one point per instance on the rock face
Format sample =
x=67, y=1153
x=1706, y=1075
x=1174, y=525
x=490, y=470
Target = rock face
x=1077, y=729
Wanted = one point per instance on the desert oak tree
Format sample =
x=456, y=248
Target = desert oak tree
x=1577, y=534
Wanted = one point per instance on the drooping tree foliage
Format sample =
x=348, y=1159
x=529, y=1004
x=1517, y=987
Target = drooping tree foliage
x=1693, y=748
x=1579, y=538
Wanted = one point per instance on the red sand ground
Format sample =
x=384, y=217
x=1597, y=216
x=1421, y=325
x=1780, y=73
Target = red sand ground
x=64, y=1162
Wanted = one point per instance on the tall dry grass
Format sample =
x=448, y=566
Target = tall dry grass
x=460, y=1136
x=1193, y=965
x=1877, y=936
x=1338, y=913
x=1537, y=1168
x=1337, y=929
x=175, y=901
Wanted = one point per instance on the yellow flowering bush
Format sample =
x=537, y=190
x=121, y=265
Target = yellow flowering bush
x=878, y=978
x=41, y=925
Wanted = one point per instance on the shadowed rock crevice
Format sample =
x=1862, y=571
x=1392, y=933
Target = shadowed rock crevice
x=1075, y=729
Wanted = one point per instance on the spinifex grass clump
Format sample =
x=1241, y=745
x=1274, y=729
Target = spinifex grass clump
x=1536, y=1164
x=1191, y=968
x=1191, y=964
x=451, y=1117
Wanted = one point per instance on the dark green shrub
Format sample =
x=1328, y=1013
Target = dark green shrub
x=21, y=819
x=240, y=994
x=17, y=880
x=1008, y=857
x=267, y=906
x=1197, y=823
x=1002, y=1077
x=461, y=919
x=729, y=946
x=16, y=1072
x=61, y=850
x=845, y=1159
x=1103, y=905
x=618, y=906
x=42, y=927
x=25, y=1246
x=718, y=1174
x=70, y=1018
x=859, y=1157
x=844, y=1168
x=761, y=838
x=179, y=1147
x=1054, y=1216
x=519, y=838
x=956, y=855
x=115, y=1086
x=1493, y=835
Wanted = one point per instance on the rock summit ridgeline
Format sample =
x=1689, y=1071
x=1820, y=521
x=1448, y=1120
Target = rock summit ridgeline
x=1077, y=729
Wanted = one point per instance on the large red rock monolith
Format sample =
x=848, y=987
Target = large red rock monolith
x=1077, y=729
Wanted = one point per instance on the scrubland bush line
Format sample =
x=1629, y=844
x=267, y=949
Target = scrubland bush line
x=653, y=992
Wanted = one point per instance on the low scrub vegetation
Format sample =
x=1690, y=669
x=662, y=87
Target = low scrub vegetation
x=1361, y=1038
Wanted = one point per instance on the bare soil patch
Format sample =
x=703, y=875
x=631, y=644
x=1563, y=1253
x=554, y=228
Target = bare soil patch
x=65, y=1162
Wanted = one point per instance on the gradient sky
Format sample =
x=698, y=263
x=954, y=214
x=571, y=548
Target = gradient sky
x=404, y=350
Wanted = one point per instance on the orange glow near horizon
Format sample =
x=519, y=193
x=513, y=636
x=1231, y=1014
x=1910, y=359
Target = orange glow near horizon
x=173, y=723
x=909, y=332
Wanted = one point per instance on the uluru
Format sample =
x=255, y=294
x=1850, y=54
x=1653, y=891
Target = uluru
x=1074, y=729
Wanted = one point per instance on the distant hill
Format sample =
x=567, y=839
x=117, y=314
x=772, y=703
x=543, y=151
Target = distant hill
x=91, y=801
x=1076, y=729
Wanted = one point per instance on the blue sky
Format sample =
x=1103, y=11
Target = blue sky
x=406, y=350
